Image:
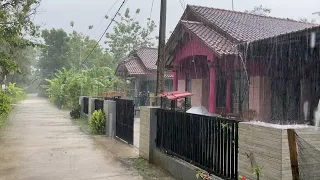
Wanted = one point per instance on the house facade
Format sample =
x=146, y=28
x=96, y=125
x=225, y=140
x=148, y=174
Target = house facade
x=140, y=67
x=203, y=53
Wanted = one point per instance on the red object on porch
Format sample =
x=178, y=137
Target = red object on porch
x=175, y=95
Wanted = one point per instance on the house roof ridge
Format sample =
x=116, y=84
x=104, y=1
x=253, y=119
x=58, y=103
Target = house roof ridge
x=191, y=22
x=250, y=14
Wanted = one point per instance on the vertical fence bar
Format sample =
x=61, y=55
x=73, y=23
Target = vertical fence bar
x=232, y=150
x=225, y=143
x=207, y=142
x=216, y=152
x=236, y=149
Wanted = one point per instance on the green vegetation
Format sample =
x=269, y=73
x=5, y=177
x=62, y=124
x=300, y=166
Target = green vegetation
x=76, y=112
x=65, y=88
x=5, y=108
x=98, y=123
x=12, y=95
x=15, y=94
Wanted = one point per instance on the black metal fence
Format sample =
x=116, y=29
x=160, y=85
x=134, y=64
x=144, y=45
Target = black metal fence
x=85, y=105
x=125, y=119
x=210, y=143
x=98, y=104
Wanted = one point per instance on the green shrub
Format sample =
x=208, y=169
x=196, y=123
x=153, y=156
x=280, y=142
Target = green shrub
x=4, y=103
x=98, y=122
x=65, y=88
x=15, y=94
x=75, y=113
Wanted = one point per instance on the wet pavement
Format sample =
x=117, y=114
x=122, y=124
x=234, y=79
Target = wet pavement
x=40, y=142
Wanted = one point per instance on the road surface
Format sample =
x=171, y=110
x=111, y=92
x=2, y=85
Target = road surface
x=40, y=142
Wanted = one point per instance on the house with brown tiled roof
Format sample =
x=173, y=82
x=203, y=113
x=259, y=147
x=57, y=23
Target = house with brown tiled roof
x=140, y=66
x=203, y=53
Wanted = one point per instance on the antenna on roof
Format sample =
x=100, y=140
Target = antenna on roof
x=316, y=13
x=232, y=6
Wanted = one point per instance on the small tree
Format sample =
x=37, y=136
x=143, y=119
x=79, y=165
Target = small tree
x=128, y=34
x=259, y=10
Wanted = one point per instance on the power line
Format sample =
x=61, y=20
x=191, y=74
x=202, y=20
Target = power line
x=151, y=9
x=115, y=15
x=107, y=14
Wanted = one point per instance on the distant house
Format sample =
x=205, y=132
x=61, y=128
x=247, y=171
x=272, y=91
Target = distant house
x=140, y=66
x=209, y=54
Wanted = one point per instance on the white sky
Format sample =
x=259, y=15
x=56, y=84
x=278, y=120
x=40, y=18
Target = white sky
x=59, y=13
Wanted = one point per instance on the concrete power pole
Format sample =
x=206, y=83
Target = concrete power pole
x=161, y=49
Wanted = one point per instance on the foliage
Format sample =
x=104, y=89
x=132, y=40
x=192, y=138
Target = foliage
x=98, y=122
x=259, y=10
x=80, y=46
x=258, y=172
x=128, y=34
x=26, y=61
x=75, y=113
x=65, y=88
x=54, y=55
x=4, y=108
x=305, y=20
x=202, y=175
x=15, y=94
x=15, y=24
x=4, y=104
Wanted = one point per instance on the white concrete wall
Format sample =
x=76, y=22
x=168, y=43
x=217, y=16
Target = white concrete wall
x=270, y=150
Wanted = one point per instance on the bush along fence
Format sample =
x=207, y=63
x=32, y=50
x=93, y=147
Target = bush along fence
x=118, y=116
x=211, y=143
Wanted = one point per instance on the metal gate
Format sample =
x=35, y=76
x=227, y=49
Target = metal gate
x=125, y=120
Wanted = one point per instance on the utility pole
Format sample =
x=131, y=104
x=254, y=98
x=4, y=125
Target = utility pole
x=161, y=48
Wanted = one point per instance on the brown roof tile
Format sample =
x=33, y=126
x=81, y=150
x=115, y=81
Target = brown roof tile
x=131, y=67
x=211, y=38
x=248, y=27
x=148, y=57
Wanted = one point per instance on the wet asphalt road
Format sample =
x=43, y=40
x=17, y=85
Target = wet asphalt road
x=40, y=142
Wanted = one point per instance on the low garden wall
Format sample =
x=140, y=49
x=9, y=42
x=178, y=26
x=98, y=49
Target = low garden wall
x=264, y=147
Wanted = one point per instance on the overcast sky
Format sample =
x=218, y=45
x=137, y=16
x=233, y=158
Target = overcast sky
x=59, y=13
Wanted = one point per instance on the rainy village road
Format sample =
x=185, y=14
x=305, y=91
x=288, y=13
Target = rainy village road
x=41, y=143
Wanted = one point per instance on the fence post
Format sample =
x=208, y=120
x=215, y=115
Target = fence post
x=148, y=132
x=109, y=108
x=82, y=114
x=91, y=107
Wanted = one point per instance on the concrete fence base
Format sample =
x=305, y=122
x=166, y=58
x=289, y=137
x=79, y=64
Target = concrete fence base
x=266, y=147
x=109, y=108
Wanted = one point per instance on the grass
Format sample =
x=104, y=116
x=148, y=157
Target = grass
x=147, y=170
x=84, y=125
x=3, y=120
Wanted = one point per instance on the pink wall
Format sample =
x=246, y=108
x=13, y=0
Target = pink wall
x=181, y=85
x=196, y=99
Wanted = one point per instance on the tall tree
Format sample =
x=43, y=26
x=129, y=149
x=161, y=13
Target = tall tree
x=260, y=10
x=128, y=34
x=55, y=54
x=15, y=24
x=80, y=47
x=26, y=61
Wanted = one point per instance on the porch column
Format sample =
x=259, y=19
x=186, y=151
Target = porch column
x=137, y=86
x=228, y=93
x=175, y=80
x=212, y=96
